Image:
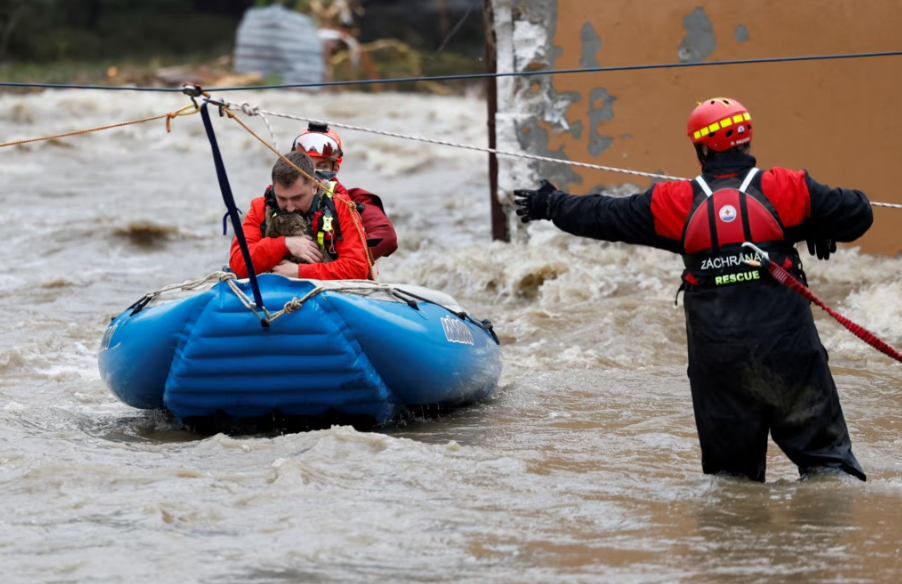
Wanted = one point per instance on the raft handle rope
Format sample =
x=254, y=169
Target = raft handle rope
x=409, y=301
x=485, y=325
x=360, y=287
x=251, y=110
x=297, y=303
x=263, y=315
x=783, y=277
x=187, y=285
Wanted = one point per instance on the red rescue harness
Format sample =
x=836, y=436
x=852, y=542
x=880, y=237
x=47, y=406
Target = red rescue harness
x=726, y=213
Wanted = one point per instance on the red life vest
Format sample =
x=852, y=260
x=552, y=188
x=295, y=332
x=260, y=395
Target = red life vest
x=730, y=211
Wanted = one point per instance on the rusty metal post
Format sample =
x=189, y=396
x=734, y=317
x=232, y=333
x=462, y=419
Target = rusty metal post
x=500, y=231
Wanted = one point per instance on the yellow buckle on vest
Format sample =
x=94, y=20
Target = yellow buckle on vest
x=327, y=223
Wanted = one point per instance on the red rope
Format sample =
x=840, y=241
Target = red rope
x=785, y=278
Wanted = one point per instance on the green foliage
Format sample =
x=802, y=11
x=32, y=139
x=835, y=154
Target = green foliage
x=50, y=30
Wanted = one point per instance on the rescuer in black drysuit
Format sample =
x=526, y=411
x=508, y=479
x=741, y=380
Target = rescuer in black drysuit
x=756, y=363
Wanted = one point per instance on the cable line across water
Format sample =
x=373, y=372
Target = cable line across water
x=467, y=76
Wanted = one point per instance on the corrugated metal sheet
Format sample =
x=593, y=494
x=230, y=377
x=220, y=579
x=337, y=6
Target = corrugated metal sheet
x=277, y=40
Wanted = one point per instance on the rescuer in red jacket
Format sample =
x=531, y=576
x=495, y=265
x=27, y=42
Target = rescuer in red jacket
x=333, y=229
x=323, y=145
x=756, y=363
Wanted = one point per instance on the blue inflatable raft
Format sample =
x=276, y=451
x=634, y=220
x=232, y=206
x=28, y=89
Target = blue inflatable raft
x=332, y=350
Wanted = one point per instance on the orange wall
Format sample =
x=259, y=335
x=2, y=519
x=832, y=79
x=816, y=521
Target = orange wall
x=841, y=120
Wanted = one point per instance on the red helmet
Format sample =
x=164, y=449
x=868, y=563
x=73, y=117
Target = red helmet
x=319, y=141
x=720, y=124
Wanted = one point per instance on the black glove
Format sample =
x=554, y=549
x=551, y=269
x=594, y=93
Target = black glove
x=533, y=205
x=822, y=248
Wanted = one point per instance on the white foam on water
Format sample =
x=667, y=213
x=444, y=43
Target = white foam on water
x=588, y=329
x=68, y=354
x=878, y=307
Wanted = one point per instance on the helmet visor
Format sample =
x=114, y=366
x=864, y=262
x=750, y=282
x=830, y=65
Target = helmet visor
x=317, y=145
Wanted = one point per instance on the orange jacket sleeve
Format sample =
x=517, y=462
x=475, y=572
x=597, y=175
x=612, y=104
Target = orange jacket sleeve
x=266, y=252
x=352, y=263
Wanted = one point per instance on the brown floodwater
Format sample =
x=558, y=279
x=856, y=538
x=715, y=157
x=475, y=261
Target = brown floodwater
x=583, y=467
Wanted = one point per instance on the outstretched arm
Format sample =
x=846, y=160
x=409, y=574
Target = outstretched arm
x=839, y=214
x=813, y=212
x=628, y=219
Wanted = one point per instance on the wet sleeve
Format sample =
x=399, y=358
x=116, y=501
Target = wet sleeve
x=626, y=219
x=837, y=213
x=266, y=252
x=352, y=263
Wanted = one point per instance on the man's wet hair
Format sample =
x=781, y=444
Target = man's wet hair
x=286, y=175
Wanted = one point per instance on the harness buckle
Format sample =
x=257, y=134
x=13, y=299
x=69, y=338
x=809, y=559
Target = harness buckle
x=193, y=90
x=757, y=249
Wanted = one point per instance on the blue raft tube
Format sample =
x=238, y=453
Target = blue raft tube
x=347, y=351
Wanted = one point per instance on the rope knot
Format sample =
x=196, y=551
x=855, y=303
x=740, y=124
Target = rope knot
x=250, y=110
x=182, y=112
x=293, y=304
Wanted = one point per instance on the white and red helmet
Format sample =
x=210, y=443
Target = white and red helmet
x=320, y=142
